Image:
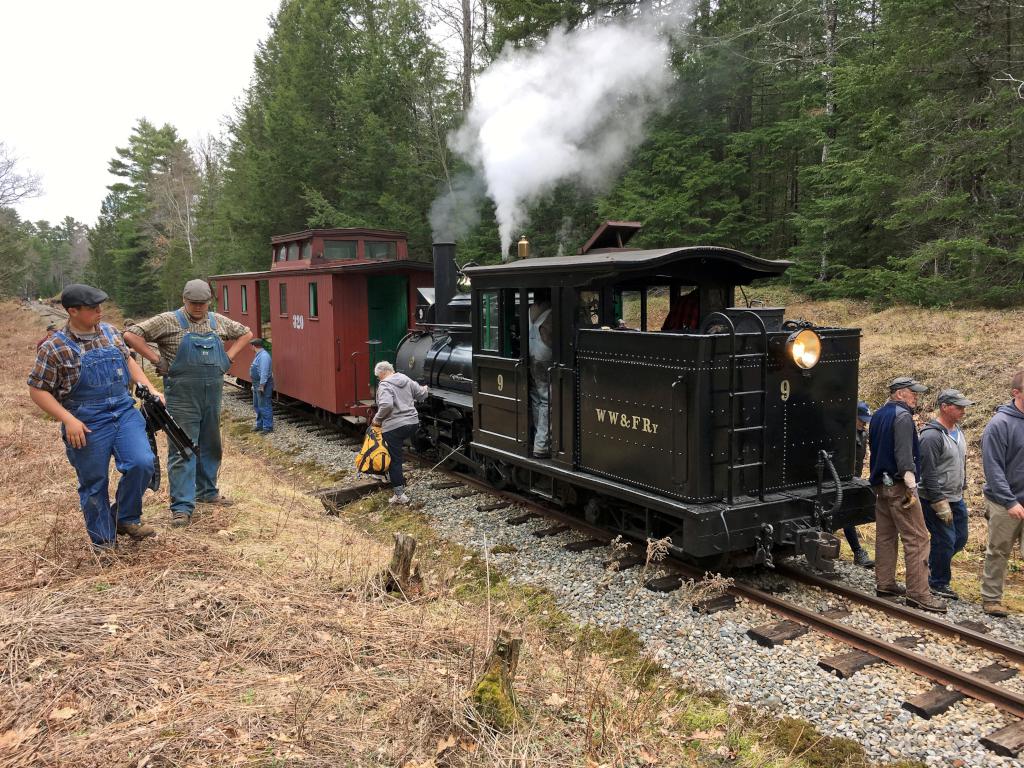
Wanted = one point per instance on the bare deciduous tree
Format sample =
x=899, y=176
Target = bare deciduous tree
x=15, y=186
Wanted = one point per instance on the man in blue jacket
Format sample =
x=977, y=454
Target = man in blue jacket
x=261, y=374
x=895, y=468
x=943, y=480
x=1002, y=453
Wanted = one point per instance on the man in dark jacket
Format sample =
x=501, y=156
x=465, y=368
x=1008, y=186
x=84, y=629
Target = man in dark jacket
x=397, y=418
x=1002, y=453
x=943, y=480
x=895, y=467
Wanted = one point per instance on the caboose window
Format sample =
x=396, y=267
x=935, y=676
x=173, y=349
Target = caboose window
x=314, y=304
x=339, y=250
x=282, y=293
x=381, y=249
x=307, y=249
x=245, y=299
x=224, y=307
x=293, y=252
x=490, y=330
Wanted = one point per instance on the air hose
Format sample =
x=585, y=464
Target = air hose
x=825, y=458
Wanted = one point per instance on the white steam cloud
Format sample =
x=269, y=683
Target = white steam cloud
x=571, y=110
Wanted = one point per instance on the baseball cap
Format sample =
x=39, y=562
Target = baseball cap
x=863, y=412
x=907, y=382
x=78, y=295
x=197, y=290
x=953, y=397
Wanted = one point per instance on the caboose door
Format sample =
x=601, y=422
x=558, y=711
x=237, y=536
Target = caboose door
x=500, y=372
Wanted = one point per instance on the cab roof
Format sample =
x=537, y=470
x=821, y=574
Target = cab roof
x=694, y=264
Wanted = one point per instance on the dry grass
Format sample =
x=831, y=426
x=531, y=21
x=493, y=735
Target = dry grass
x=255, y=637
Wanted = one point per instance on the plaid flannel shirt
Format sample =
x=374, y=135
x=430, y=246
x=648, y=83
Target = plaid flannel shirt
x=58, y=368
x=166, y=332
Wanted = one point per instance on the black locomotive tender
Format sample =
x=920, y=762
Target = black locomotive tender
x=725, y=428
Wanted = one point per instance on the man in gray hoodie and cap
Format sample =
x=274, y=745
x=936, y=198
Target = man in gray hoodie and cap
x=943, y=480
x=1002, y=453
x=397, y=418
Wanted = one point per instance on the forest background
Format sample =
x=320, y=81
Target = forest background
x=879, y=144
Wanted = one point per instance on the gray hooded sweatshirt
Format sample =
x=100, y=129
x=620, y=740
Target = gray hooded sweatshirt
x=1002, y=454
x=396, y=398
x=943, y=463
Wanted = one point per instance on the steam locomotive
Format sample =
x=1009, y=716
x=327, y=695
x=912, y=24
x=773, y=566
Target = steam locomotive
x=672, y=412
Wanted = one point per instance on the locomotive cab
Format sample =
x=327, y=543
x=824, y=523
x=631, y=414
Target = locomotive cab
x=672, y=412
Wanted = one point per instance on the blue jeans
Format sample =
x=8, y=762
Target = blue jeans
x=947, y=540
x=119, y=432
x=394, y=440
x=194, y=402
x=852, y=538
x=262, y=403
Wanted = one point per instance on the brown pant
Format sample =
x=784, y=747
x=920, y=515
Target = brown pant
x=892, y=522
x=1003, y=532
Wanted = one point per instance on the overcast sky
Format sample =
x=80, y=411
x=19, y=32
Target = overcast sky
x=77, y=75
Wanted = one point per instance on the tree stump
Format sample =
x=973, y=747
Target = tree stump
x=399, y=575
x=493, y=695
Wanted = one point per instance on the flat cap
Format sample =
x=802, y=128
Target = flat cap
x=78, y=295
x=906, y=382
x=863, y=411
x=953, y=397
x=197, y=290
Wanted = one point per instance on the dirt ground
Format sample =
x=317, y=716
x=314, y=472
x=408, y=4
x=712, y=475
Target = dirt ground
x=260, y=636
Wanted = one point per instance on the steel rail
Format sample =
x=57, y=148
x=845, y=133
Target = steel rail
x=966, y=683
x=1013, y=653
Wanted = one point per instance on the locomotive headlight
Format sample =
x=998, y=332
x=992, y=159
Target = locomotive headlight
x=804, y=348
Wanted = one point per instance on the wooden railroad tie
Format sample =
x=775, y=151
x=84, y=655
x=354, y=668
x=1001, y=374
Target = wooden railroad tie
x=443, y=485
x=940, y=698
x=668, y=583
x=493, y=506
x=1008, y=741
x=624, y=563
x=334, y=499
x=554, y=530
x=836, y=613
x=975, y=626
x=465, y=494
x=523, y=518
x=770, y=635
x=715, y=604
x=584, y=545
x=847, y=664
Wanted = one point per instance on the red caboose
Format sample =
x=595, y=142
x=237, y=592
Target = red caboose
x=333, y=304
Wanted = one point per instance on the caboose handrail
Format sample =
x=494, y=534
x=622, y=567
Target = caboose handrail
x=735, y=394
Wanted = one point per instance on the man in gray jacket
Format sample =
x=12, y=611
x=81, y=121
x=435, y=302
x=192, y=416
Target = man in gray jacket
x=1002, y=453
x=943, y=480
x=397, y=418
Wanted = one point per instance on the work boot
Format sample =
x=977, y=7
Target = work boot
x=896, y=590
x=180, y=519
x=137, y=531
x=860, y=557
x=930, y=603
x=105, y=553
x=219, y=501
x=995, y=608
x=946, y=592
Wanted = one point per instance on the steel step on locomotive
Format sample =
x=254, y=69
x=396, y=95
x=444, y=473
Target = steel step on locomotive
x=673, y=412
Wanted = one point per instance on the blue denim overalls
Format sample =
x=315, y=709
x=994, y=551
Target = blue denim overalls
x=193, y=389
x=101, y=401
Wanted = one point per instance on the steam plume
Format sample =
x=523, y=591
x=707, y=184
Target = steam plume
x=571, y=110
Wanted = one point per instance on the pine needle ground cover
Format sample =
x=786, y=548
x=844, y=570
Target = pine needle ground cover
x=257, y=637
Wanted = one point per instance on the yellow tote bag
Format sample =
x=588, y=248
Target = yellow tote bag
x=373, y=458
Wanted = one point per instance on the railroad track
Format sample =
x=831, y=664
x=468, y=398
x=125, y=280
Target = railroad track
x=951, y=684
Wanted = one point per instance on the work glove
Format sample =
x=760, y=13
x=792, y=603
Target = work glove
x=162, y=367
x=942, y=511
x=910, y=481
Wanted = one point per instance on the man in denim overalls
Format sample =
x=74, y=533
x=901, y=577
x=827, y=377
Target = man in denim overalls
x=193, y=361
x=81, y=378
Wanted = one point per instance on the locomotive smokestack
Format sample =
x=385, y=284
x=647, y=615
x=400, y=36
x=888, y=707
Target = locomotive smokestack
x=445, y=278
